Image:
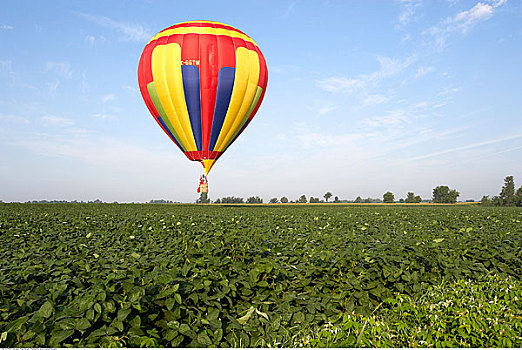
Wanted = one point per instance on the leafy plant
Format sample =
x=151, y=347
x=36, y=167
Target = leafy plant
x=127, y=275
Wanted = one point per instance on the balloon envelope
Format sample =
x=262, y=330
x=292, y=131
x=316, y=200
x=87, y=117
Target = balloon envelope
x=202, y=82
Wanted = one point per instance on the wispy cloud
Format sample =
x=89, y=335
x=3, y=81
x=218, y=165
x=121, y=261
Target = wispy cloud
x=463, y=21
x=422, y=71
x=290, y=9
x=6, y=27
x=52, y=86
x=130, y=31
x=57, y=121
x=94, y=40
x=372, y=100
x=62, y=69
x=409, y=8
x=388, y=67
x=130, y=88
x=12, y=118
x=104, y=116
x=488, y=155
x=6, y=66
x=322, y=107
x=479, y=12
x=395, y=119
x=466, y=147
x=108, y=97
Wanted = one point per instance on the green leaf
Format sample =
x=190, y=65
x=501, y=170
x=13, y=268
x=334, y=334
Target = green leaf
x=170, y=335
x=97, y=308
x=17, y=324
x=46, y=309
x=204, y=339
x=99, y=332
x=90, y=314
x=58, y=337
x=299, y=317
x=261, y=314
x=244, y=319
x=438, y=240
x=118, y=325
x=177, y=341
x=184, y=329
x=169, y=303
x=82, y=324
x=135, y=322
x=122, y=314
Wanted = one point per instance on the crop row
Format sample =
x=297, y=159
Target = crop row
x=171, y=275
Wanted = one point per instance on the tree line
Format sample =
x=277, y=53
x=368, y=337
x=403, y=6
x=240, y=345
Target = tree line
x=507, y=196
x=441, y=194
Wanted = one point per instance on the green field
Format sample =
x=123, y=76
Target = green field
x=136, y=275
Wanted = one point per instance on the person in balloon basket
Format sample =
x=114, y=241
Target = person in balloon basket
x=203, y=184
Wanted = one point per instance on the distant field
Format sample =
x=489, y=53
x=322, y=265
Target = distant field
x=90, y=275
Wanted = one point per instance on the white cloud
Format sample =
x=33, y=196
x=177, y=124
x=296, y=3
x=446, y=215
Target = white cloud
x=94, y=40
x=104, y=116
x=52, y=86
x=448, y=92
x=409, y=8
x=394, y=119
x=372, y=100
x=130, y=88
x=57, y=121
x=12, y=118
x=322, y=107
x=333, y=84
x=131, y=32
x=6, y=27
x=466, y=19
x=422, y=71
x=108, y=97
x=488, y=155
x=463, y=21
x=466, y=147
x=6, y=66
x=84, y=83
x=62, y=69
x=388, y=67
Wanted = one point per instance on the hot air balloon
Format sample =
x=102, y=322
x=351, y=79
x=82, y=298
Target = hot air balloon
x=203, y=82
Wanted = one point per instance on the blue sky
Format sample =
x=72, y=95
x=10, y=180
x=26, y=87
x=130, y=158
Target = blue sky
x=363, y=97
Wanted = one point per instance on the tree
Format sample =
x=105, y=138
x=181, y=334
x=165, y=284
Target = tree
x=443, y=194
x=254, y=200
x=203, y=198
x=518, y=197
x=302, y=199
x=232, y=199
x=507, y=195
x=358, y=199
x=336, y=200
x=388, y=197
x=402, y=200
x=314, y=200
x=327, y=196
x=273, y=200
x=217, y=201
x=485, y=201
x=284, y=200
x=412, y=198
